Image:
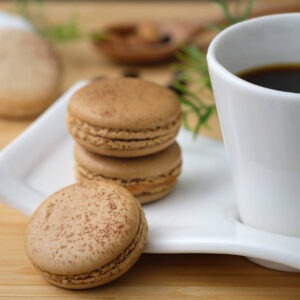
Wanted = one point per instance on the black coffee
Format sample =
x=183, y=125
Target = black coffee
x=277, y=77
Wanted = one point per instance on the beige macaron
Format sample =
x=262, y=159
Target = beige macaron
x=86, y=235
x=124, y=117
x=30, y=74
x=149, y=178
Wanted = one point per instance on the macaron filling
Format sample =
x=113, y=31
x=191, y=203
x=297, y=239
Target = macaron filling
x=137, y=186
x=106, y=272
x=122, y=138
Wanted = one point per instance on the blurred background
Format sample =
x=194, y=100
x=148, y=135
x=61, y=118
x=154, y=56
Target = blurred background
x=161, y=41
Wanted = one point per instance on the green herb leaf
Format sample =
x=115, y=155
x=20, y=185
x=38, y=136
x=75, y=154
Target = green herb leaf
x=192, y=77
x=192, y=82
x=234, y=15
x=97, y=36
x=65, y=32
x=68, y=31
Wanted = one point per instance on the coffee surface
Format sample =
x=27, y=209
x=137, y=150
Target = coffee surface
x=285, y=77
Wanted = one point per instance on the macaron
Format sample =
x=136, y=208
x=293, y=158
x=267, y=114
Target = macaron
x=124, y=117
x=30, y=74
x=148, y=178
x=86, y=235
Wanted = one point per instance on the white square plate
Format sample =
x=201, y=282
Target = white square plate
x=199, y=216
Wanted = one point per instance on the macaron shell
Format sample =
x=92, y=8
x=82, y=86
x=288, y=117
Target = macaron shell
x=124, y=103
x=129, y=148
x=124, y=117
x=109, y=272
x=81, y=228
x=147, y=190
x=155, y=196
x=30, y=73
x=148, y=178
x=129, y=168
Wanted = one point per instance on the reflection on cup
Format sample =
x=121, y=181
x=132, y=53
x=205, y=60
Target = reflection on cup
x=260, y=125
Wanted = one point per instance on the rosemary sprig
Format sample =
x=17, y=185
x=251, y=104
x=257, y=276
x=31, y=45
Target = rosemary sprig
x=240, y=12
x=192, y=82
x=68, y=31
x=187, y=85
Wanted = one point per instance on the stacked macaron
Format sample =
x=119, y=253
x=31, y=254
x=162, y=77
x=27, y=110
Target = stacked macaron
x=125, y=129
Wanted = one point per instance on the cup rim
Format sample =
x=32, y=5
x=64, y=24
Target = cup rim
x=214, y=64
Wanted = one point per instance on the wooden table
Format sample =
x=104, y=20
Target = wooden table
x=176, y=276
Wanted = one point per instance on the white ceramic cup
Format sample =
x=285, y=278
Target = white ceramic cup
x=260, y=126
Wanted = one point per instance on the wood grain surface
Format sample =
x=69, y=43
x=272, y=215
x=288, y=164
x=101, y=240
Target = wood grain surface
x=176, y=276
